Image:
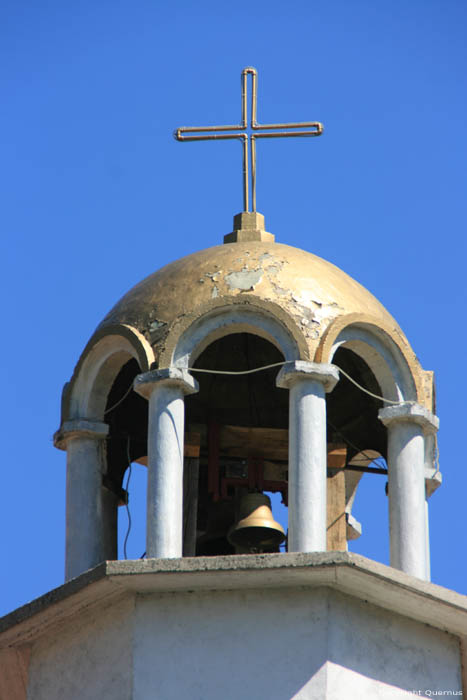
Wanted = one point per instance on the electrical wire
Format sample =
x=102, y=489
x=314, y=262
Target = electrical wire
x=244, y=371
x=127, y=498
x=120, y=400
x=261, y=369
x=375, y=396
x=359, y=451
x=281, y=364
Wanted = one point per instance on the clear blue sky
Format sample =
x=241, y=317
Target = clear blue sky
x=96, y=195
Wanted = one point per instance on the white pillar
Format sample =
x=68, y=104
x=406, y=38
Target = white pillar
x=308, y=383
x=165, y=388
x=407, y=425
x=87, y=531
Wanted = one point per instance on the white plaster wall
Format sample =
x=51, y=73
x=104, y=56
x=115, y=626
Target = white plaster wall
x=91, y=659
x=306, y=645
x=231, y=645
x=383, y=656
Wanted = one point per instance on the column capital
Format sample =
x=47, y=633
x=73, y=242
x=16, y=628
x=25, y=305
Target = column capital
x=409, y=413
x=80, y=427
x=298, y=370
x=144, y=384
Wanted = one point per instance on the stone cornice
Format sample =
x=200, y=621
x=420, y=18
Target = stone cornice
x=348, y=573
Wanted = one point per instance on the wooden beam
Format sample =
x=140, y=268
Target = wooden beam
x=336, y=523
x=268, y=443
x=192, y=446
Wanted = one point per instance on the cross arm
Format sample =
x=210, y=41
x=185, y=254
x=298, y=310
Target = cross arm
x=312, y=129
x=206, y=133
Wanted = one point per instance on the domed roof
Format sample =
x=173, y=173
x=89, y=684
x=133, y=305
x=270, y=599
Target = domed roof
x=309, y=289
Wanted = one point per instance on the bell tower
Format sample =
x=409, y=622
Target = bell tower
x=245, y=370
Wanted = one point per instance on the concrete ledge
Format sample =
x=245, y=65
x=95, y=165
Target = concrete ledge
x=349, y=573
x=145, y=383
x=80, y=427
x=293, y=371
x=410, y=412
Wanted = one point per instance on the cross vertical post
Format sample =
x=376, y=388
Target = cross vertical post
x=248, y=132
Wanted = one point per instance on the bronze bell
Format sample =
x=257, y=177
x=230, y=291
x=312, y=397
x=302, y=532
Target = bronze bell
x=256, y=530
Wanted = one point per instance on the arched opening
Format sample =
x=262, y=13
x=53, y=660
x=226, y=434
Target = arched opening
x=126, y=414
x=236, y=441
x=352, y=421
x=236, y=426
x=98, y=413
x=352, y=415
x=98, y=369
x=132, y=514
x=391, y=365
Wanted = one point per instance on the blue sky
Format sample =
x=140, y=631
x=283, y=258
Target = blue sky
x=96, y=195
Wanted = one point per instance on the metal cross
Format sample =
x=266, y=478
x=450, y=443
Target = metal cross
x=208, y=133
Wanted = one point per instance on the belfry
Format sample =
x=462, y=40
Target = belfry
x=247, y=369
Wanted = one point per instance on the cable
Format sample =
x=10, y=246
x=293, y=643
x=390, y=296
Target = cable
x=120, y=400
x=127, y=498
x=281, y=364
x=359, y=451
x=244, y=371
x=261, y=369
x=375, y=396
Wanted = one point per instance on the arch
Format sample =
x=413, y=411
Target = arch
x=392, y=361
x=263, y=319
x=105, y=354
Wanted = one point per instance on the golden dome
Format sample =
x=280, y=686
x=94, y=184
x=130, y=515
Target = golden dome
x=314, y=301
x=311, y=291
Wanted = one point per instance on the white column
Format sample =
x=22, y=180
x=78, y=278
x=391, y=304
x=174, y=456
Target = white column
x=308, y=383
x=165, y=389
x=87, y=536
x=407, y=425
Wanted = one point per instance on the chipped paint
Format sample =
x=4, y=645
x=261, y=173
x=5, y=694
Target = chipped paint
x=314, y=310
x=245, y=280
x=326, y=312
x=157, y=329
x=274, y=269
x=311, y=293
x=280, y=290
x=155, y=325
